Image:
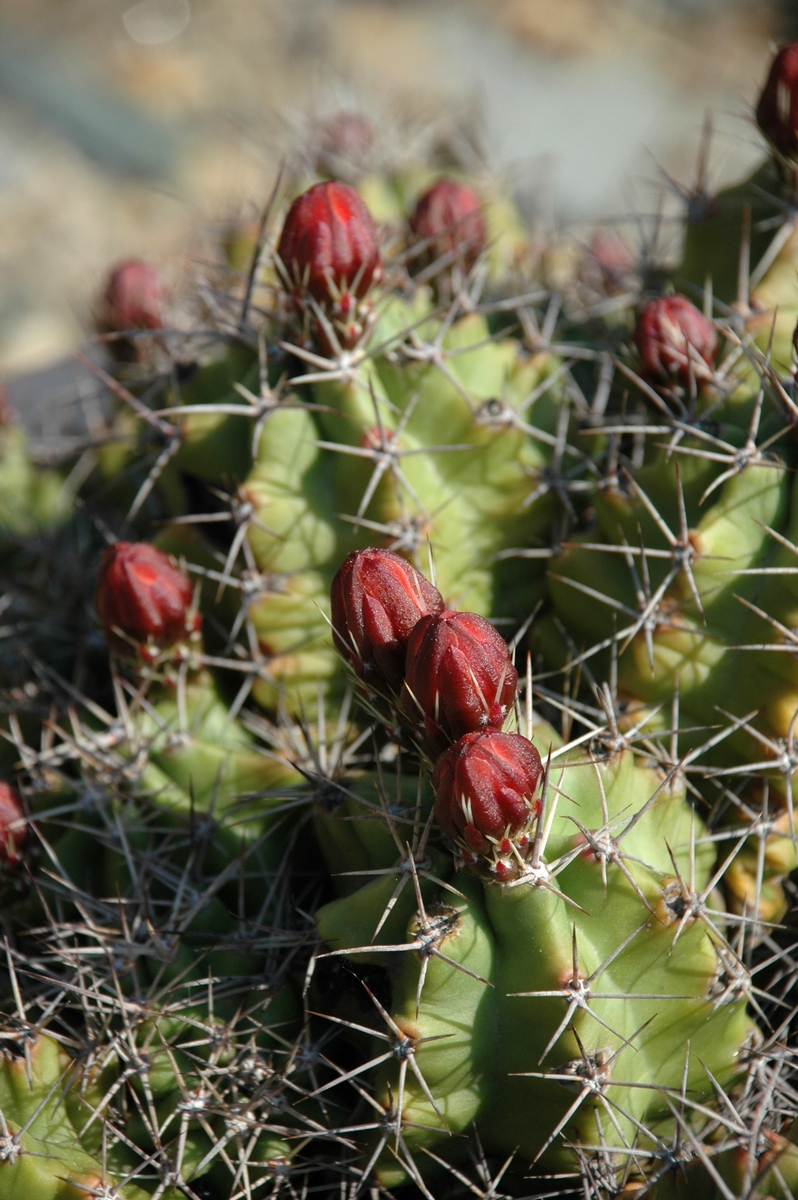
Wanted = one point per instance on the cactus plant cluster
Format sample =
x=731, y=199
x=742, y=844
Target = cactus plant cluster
x=398, y=709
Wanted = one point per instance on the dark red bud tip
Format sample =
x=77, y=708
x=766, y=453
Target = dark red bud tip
x=448, y=217
x=134, y=298
x=377, y=599
x=610, y=260
x=485, y=787
x=676, y=342
x=329, y=246
x=459, y=677
x=345, y=138
x=144, y=600
x=777, y=109
x=13, y=827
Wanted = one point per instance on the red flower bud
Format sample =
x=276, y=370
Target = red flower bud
x=609, y=263
x=377, y=600
x=484, y=798
x=329, y=245
x=345, y=140
x=459, y=677
x=777, y=110
x=676, y=342
x=449, y=218
x=134, y=298
x=13, y=827
x=144, y=600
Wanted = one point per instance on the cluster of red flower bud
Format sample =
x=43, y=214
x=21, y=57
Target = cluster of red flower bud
x=328, y=254
x=145, y=602
x=328, y=259
x=447, y=676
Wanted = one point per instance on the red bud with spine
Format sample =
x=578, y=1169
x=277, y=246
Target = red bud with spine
x=134, y=297
x=448, y=218
x=13, y=827
x=459, y=677
x=329, y=250
x=676, y=342
x=377, y=598
x=777, y=108
x=144, y=601
x=485, y=786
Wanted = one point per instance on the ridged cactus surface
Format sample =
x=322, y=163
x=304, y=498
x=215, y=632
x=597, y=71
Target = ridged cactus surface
x=398, y=709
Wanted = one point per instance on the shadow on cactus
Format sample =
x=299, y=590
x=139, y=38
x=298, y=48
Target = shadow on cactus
x=576, y=990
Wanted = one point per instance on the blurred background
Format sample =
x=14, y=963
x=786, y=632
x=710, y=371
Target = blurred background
x=132, y=127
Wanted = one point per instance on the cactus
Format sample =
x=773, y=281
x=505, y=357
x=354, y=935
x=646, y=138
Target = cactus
x=690, y=553
x=305, y=890
x=584, y=935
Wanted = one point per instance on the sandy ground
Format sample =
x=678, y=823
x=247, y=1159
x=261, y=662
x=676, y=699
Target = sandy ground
x=132, y=127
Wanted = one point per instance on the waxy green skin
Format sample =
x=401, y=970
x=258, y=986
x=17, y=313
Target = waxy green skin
x=352, y=822
x=201, y=449
x=732, y=552
x=31, y=499
x=520, y=938
x=53, y=1163
x=209, y=763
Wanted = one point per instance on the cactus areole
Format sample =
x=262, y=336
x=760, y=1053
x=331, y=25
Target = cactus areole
x=144, y=601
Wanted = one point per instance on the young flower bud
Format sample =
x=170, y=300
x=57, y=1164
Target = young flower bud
x=448, y=221
x=144, y=601
x=459, y=677
x=134, y=298
x=13, y=827
x=329, y=249
x=377, y=599
x=675, y=341
x=344, y=143
x=485, y=786
x=777, y=109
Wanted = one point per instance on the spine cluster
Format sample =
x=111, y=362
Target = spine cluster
x=240, y=957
